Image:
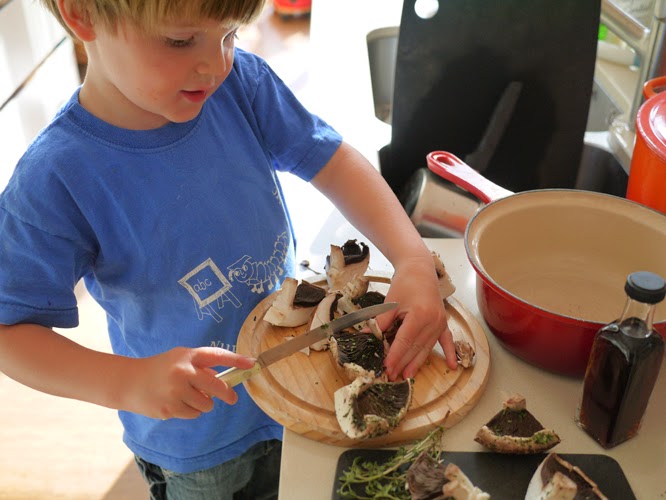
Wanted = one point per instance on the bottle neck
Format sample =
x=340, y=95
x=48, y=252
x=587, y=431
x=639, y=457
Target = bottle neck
x=637, y=318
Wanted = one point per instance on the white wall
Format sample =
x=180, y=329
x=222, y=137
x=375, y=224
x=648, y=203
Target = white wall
x=38, y=73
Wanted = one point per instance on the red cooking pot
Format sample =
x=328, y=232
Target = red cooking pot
x=551, y=264
x=647, y=175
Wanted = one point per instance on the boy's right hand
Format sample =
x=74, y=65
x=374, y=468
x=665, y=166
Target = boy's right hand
x=181, y=383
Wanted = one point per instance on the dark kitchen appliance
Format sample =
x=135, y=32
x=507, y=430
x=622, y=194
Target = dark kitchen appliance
x=453, y=69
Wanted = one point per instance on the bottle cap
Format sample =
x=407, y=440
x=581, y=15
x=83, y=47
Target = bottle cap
x=646, y=287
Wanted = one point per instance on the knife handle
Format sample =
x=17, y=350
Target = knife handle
x=234, y=376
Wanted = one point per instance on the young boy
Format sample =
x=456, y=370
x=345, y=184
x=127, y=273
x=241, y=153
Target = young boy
x=156, y=184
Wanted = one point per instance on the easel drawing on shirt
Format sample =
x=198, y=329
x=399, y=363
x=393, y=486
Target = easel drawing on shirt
x=210, y=290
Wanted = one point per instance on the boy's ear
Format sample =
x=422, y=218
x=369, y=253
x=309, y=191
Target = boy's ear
x=77, y=19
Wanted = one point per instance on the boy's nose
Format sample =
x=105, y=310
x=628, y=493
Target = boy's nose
x=216, y=62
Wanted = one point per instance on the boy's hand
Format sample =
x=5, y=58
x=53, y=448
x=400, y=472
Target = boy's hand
x=424, y=320
x=181, y=383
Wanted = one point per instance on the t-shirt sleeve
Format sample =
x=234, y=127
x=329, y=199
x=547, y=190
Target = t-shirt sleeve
x=42, y=255
x=299, y=141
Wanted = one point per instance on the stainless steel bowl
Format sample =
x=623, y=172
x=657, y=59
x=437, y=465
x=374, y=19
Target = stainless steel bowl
x=437, y=208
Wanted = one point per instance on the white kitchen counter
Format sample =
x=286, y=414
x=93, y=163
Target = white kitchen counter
x=308, y=467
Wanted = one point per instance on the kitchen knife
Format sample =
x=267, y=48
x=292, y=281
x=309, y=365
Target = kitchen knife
x=234, y=376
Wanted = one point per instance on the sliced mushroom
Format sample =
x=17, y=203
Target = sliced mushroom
x=369, y=407
x=324, y=313
x=557, y=479
x=446, y=286
x=373, y=326
x=425, y=477
x=294, y=303
x=308, y=295
x=357, y=287
x=460, y=487
x=560, y=487
x=370, y=299
x=360, y=352
x=345, y=263
x=429, y=479
x=464, y=353
x=392, y=330
x=515, y=430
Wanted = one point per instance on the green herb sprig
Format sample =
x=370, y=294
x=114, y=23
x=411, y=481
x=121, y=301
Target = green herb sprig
x=387, y=480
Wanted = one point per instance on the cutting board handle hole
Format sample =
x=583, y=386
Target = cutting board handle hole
x=426, y=9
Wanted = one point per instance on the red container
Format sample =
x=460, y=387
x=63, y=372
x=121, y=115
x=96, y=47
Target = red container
x=647, y=175
x=288, y=8
x=551, y=264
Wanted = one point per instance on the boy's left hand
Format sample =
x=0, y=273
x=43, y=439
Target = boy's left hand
x=424, y=320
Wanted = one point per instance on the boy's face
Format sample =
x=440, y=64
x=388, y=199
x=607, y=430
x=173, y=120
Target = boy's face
x=142, y=81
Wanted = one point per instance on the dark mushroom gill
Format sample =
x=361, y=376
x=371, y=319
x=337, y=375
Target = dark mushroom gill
x=308, y=295
x=425, y=477
x=385, y=400
x=362, y=349
x=369, y=299
x=354, y=252
x=519, y=423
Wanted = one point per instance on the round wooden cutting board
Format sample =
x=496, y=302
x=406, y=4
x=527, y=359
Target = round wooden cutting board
x=298, y=391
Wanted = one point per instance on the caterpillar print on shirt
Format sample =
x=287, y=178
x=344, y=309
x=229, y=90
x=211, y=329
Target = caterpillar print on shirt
x=258, y=275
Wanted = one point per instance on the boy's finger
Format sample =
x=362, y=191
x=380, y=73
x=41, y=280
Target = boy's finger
x=198, y=400
x=413, y=366
x=384, y=321
x=404, y=348
x=446, y=341
x=180, y=410
x=215, y=356
x=206, y=382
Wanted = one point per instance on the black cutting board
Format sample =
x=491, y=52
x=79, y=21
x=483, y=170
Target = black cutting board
x=452, y=69
x=506, y=477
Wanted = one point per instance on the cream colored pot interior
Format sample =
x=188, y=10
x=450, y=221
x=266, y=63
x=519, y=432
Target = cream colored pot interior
x=568, y=252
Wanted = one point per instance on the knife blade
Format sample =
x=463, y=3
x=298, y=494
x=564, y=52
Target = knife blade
x=234, y=376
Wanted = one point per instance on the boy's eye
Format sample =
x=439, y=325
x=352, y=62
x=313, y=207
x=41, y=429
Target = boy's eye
x=179, y=43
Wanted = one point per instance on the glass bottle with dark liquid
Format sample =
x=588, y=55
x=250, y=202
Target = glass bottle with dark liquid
x=623, y=366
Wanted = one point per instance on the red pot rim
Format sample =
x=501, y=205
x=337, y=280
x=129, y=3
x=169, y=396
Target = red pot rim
x=497, y=288
x=651, y=124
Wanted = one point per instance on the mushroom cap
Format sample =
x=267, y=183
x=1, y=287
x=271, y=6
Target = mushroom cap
x=370, y=298
x=323, y=313
x=557, y=479
x=294, y=303
x=344, y=263
x=350, y=293
x=460, y=487
x=358, y=352
x=538, y=442
x=369, y=407
x=446, y=286
x=425, y=477
x=428, y=479
x=308, y=295
x=464, y=353
x=515, y=430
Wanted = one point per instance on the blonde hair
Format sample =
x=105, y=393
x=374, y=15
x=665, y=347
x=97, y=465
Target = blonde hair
x=148, y=14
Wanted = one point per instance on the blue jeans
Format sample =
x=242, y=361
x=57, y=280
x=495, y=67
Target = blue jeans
x=254, y=475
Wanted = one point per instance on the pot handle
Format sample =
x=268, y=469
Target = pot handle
x=452, y=168
x=651, y=87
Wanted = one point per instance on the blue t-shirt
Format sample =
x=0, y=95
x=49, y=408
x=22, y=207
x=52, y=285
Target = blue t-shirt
x=178, y=232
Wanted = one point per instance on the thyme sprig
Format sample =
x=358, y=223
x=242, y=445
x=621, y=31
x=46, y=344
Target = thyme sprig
x=387, y=480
